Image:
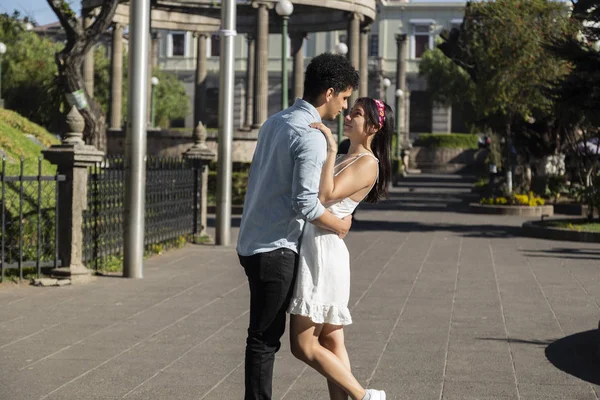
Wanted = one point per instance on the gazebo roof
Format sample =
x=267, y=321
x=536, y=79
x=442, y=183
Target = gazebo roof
x=204, y=15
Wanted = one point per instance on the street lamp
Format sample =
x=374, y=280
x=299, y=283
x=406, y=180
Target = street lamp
x=284, y=9
x=155, y=83
x=399, y=95
x=386, y=84
x=341, y=49
x=2, y=51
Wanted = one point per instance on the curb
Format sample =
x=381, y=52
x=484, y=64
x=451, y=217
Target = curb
x=522, y=211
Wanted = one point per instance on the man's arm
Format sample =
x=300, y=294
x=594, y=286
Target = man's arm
x=309, y=152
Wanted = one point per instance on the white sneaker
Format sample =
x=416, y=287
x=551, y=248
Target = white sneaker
x=375, y=394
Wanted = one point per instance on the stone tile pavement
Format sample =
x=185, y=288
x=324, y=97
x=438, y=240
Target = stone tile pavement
x=446, y=305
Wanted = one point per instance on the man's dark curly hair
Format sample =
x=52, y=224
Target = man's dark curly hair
x=329, y=71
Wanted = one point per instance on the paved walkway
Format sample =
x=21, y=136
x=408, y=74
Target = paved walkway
x=447, y=305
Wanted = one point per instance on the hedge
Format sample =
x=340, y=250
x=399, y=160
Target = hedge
x=447, y=140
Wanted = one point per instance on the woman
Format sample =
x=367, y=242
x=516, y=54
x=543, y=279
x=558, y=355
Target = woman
x=319, y=306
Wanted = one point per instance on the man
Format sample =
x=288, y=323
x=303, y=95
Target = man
x=282, y=195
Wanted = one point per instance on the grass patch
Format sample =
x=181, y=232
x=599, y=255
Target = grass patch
x=579, y=225
x=447, y=140
x=15, y=143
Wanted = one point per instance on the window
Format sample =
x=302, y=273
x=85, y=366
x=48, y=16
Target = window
x=374, y=45
x=422, y=40
x=215, y=46
x=177, y=44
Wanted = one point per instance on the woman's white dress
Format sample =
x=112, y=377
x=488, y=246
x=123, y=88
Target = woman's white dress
x=322, y=288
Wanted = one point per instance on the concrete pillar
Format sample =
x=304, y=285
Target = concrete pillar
x=401, y=82
x=200, y=155
x=354, y=49
x=200, y=79
x=250, y=80
x=150, y=75
x=298, y=55
x=364, y=61
x=88, y=61
x=73, y=158
x=261, y=85
x=116, y=78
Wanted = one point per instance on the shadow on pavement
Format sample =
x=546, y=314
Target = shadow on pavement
x=480, y=231
x=571, y=254
x=521, y=341
x=577, y=355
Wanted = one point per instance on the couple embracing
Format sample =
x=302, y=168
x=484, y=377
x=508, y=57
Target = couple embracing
x=297, y=211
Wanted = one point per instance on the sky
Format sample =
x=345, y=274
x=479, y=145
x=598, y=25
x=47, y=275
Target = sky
x=38, y=9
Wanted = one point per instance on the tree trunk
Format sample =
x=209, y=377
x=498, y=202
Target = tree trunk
x=70, y=60
x=509, y=166
x=71, y=79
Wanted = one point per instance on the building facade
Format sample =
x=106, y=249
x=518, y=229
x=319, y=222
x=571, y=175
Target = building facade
x=420, y=20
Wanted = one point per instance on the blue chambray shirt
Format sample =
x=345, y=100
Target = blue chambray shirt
x=283, y=184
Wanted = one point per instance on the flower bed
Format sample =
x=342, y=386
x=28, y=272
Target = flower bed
x=574, y=230
x=525, y=205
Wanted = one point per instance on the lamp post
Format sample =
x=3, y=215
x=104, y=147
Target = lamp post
x=399, y=95
x=2, y=51
x=155, y=83
x=386, y=84
x=341, y=49
x=284, y=9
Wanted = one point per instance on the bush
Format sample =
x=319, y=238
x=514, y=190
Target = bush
x=529, y=199
x=449, y=140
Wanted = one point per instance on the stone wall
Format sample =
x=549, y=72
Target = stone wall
x=167, y=143
x=445, y=159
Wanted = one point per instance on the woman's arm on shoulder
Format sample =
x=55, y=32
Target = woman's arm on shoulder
x=357, y=176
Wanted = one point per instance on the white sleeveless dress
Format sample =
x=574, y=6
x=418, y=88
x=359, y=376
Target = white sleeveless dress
x=322, y=288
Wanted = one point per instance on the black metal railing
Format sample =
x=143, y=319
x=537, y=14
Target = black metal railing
x=29, y=217
x=172, y=202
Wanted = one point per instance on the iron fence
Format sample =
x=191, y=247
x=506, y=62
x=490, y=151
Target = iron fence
x=173, y=190
x=29, y=217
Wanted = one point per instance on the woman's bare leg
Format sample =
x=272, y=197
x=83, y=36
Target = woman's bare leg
x=304, y=342
x=332, y=338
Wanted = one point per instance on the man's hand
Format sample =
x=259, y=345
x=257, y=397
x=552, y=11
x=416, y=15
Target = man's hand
x=346, y=224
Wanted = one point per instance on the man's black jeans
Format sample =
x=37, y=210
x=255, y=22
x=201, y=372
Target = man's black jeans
x=271, y=278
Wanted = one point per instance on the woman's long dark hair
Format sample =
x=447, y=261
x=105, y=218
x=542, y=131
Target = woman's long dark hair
x=381, y=145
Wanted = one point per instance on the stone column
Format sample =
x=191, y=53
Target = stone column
x=364, y=61
x=200, y=79
x=297, y=40
x=154, y=54
x=353, y=49
x=72, y=157
x=250, y=77
x=116, y=78
x=401, y=80
x=88, y=61
x=200, y=155
x=261, y=82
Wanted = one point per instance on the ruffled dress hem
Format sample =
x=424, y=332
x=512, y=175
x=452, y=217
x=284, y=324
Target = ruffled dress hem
x=320, y=313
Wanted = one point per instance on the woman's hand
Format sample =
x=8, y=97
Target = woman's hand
x=331, y=140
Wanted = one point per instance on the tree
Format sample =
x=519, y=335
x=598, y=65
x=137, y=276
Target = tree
x=70, y=59
x=171, y=100
x=447, y=83
x=29, y=73
x=501, y=45
x=577, y=98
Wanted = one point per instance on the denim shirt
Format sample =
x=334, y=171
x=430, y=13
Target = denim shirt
x=283, y=184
